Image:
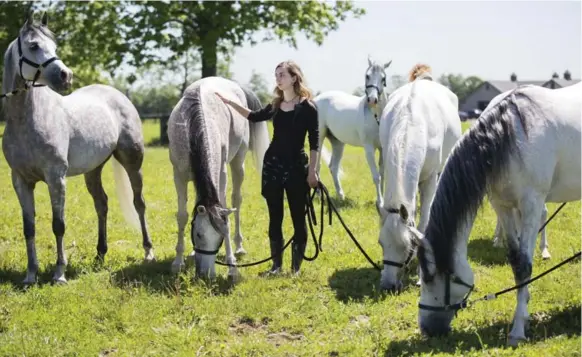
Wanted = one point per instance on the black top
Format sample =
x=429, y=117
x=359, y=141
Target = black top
x=290, y=128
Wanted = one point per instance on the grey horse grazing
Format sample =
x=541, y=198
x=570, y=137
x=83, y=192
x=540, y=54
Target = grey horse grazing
x=205, y=136
x=49, y=137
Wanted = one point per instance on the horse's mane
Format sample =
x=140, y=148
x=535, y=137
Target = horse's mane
x=420, y=69
x=199, y=146
x=479, y=159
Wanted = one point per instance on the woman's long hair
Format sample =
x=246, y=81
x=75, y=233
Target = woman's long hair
x=299, y=86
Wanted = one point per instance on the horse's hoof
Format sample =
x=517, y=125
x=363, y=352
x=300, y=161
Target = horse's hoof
x=514, y=341
x=59, y=280
x=178, y=266
x=546, y=254
x=233, y=273
x=149, y=256
x=29, y=280
x=240, y=251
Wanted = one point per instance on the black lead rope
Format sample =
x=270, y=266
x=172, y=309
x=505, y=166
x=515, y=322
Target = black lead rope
x=311, y=217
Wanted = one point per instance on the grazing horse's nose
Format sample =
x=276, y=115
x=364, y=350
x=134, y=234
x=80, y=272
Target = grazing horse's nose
x=391, y=287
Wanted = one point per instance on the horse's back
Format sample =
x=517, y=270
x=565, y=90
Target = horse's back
x=346, y=116
x=101, y=120
x=227, y=129
x=551, y=145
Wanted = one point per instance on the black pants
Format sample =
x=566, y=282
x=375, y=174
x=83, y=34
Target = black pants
x=280, y=180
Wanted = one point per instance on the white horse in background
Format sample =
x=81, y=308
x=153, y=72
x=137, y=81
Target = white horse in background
x=348, y=119
x=524, y=152
x=418, y=129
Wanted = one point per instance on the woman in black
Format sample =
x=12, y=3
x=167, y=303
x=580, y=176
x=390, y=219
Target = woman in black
x=285, y=166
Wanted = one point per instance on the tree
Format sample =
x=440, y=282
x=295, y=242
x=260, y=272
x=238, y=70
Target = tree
x=461, y=86
x=218, y=27
x=359, y=91
x=397, y=81
x=258, y=84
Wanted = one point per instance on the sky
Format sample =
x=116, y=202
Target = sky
x=489, y=39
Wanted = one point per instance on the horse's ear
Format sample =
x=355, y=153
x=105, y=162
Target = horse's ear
x=403, y=213
x=387, y=64
x=369, y=61
x=201, y=209
x=417, y=236
x=44, y=20
x=226, y=211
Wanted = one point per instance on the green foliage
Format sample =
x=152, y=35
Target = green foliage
x=460, y=85
x=259, y=85
x=217, y=27
x=125, y=307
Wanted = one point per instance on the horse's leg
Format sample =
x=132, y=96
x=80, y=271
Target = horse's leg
x=543, y=241
x=337, y=151
x=370, y=156
x=95, y=188
x=181, y=185
x=230, y=258
x=25, y=193
x=131, y=161
x=521, y=259
x=56, y=186
x=237, y=172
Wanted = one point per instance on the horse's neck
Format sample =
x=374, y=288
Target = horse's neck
x=207, y=173
x=462, y=242
x=26, y=106
x=20, y=108
x=402, y=164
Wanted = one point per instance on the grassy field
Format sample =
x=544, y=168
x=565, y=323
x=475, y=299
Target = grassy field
x=126, y=308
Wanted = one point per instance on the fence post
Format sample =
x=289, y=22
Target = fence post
x=164, y=130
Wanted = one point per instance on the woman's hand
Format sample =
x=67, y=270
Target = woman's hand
x=312, y=179
x=225, y=100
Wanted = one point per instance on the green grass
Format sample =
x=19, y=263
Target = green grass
x=126, y=308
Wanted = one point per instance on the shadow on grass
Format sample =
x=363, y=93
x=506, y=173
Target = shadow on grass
x=157, y=277
x=482, y=251
x=357, y=284
x=44, y=277
x=543, y=325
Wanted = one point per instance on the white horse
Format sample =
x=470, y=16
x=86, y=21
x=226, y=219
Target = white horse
x=50, y=137
x=205, y=136
x=418, y=129
x=349, y=119
x=524, y=151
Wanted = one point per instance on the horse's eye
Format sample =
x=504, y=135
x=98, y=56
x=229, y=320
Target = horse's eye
x=33, y=46
x=367, y=76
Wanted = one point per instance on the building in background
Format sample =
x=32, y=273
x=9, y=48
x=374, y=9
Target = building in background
x=482, y=95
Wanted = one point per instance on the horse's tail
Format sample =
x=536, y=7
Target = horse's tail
x=259, y=135
x=478, y=160
x=420, y=70
x=125, y=194
x=324, y=130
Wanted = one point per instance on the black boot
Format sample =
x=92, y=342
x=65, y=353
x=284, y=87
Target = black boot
x=298, y=250
x=277, y=257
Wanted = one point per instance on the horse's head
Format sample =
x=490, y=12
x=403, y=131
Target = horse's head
x=441, y=293
x=36, y=58
x=375, y=81
x=398, y=239
x=209, y=228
